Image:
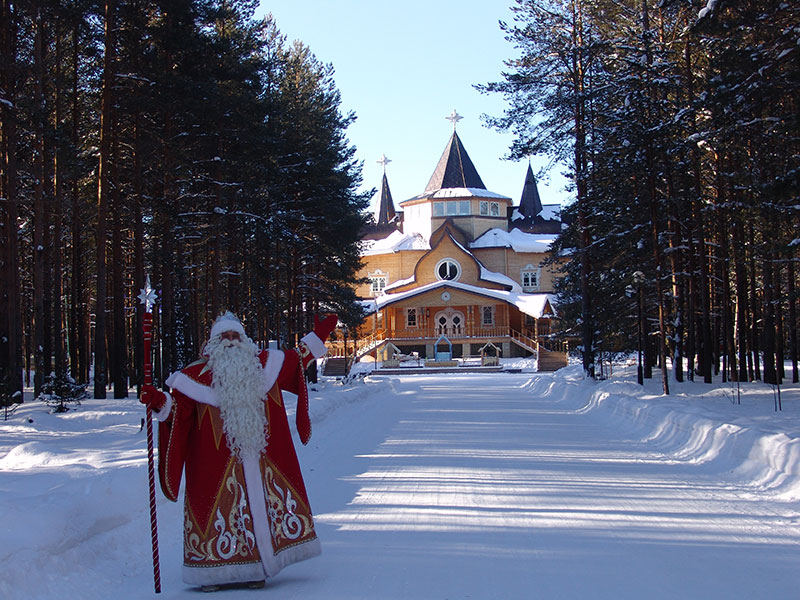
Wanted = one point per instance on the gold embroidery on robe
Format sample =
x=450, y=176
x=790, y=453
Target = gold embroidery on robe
x=229, y=536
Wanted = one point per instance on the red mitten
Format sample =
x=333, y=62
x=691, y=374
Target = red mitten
x=153, y=398
x=323, y=327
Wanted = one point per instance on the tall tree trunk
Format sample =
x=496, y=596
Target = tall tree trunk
x=103, y=198
x=676, y=263
x=11, y=363
x=138, y=249
x=780, y=344
x=653, y=203
x=728, y=347
x=741, y=298
x=705, y=356
x=770, y=372
x=58, y=216
x=691, y=299
x=119, y=351
x=40, y=221
x=580, y=158
x=697, y=218
x=793, y=324
x=79, y=328
x=755, y=307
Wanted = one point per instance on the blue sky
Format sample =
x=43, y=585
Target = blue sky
x=403, y=67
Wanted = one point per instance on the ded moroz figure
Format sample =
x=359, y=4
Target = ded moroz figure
x=223, y=423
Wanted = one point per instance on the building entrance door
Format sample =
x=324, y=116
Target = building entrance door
x=449, y=322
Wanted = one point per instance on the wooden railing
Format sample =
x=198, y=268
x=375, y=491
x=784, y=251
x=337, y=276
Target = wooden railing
x=452, y=333
x=368, y=343
x=554, y=345
x=357, y=347
x=525, y=341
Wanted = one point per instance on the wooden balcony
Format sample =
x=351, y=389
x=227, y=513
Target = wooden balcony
x=461, y=335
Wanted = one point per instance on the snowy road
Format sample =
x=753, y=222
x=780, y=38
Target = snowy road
x=496, y=488
x=475, y=487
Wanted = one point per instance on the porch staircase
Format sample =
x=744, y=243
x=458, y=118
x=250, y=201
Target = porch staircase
x=523, y=341
x=335, y=366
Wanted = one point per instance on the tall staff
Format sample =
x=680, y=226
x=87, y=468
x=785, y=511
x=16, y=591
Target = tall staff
x=148, y=298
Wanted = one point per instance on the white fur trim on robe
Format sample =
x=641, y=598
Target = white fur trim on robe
x=163, y=414
x=206, y=394
x=223, y=574
x=316, y=345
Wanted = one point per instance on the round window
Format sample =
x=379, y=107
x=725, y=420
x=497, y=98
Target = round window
x=448, y=269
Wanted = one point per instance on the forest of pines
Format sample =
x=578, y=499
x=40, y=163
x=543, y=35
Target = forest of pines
x=679, y=121
x=186, y=139
x=183, y=139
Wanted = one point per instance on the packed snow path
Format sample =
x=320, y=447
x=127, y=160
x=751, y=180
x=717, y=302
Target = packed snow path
x=510, y=486
x=494, y=488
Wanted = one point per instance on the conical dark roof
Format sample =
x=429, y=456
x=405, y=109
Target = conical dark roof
x=385, y=213
x=455, y=169
x=530, y=204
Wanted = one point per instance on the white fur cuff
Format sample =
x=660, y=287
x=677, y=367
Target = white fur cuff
x=316, y=345
x=163, y=414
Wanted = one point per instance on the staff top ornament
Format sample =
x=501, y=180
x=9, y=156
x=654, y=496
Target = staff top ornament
x=148, y=296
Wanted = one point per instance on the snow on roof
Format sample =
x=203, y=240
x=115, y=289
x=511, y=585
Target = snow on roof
x=488, y=275
x=399, y=283
x=459, y=193
x=530, y=304
x=394, y=242
x=551, y=212
x=516, y=239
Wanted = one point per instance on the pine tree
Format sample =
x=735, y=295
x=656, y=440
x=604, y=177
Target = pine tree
x=550, y=92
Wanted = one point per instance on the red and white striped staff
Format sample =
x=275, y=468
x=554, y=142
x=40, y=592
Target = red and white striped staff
x=148, y=298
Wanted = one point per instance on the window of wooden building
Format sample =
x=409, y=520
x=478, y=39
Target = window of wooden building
x=530, y=278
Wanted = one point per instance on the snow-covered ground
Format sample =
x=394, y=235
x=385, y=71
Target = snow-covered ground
x=508, y=486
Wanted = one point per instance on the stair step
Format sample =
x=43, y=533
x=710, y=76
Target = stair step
x=335, y=367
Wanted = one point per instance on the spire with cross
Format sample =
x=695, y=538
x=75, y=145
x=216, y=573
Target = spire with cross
x=385, y=213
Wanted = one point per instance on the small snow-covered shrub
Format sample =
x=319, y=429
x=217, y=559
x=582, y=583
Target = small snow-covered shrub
x=58, y=391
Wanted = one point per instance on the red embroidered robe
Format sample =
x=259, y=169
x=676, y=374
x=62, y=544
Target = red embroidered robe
x=243, y=520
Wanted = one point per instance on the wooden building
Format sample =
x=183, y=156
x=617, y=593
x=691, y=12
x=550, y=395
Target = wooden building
x=459, y=269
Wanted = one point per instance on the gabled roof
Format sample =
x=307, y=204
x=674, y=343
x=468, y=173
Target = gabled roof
x=536, y=305
x=446, y=237
x=385, y=213
x=455, y=169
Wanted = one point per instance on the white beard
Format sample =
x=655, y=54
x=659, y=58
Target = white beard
x=238, y=380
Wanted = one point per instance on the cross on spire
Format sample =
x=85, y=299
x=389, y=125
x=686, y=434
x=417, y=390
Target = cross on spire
x=454, y=118
x=383, y=162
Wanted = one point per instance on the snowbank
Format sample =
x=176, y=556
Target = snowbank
x=732, y=430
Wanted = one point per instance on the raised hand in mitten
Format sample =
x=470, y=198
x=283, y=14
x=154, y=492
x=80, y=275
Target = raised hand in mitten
x=152, y=397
